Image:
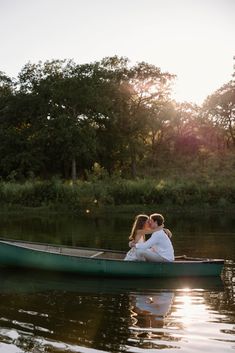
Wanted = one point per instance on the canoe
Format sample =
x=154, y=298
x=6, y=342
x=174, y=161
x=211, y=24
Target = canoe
x=99, y=262
x=30, y=281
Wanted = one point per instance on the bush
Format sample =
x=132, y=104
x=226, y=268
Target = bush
x=85, y=195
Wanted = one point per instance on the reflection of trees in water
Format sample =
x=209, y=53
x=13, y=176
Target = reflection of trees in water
x=112, y=332
x=229, y=280
x=107, y=322
x=224, y=302
x=89, y=320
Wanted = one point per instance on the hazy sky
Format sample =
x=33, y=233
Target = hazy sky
x=194, y=39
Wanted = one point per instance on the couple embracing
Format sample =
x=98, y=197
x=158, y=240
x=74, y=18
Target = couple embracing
x=158, y=248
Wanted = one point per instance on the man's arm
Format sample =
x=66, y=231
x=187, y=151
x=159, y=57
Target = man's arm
x=147, y=244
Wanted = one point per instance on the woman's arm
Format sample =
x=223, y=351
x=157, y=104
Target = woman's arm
x=140, y=234
x=149, y=243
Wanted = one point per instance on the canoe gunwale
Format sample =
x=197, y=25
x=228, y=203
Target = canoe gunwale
x=8, y=240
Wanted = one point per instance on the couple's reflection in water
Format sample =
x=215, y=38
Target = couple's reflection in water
x=149, y=313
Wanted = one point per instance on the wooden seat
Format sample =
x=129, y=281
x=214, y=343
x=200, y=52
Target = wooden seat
x=97, y=254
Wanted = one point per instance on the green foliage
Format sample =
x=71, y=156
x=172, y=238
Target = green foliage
x=220, y=109
x=61, y=118
x=89, y=196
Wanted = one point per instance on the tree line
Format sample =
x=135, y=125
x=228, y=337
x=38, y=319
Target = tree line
x=59, y=118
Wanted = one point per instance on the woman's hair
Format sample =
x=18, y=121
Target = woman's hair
x=157, y=217
x=139, y=223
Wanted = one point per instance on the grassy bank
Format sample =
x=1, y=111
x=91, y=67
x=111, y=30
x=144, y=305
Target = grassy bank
x=95, y=195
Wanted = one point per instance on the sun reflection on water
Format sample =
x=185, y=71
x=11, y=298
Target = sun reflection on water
x=190, y=307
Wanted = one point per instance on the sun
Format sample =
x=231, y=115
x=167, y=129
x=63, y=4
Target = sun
x=184, y=90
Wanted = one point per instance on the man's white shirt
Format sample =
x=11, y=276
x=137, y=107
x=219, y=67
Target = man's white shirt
x=160, y=243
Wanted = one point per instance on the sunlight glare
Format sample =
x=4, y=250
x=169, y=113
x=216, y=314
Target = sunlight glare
x=190, y=306
x=196, y=69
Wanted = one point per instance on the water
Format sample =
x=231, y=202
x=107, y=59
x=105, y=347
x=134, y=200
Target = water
x=56, y=313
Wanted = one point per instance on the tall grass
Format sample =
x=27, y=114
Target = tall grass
x=98, y=193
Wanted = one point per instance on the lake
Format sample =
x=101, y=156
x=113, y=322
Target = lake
x=59, y=313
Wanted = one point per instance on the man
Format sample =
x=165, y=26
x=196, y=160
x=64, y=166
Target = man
x=158, y=248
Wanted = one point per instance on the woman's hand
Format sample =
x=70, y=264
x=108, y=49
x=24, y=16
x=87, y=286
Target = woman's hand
x=132, y=244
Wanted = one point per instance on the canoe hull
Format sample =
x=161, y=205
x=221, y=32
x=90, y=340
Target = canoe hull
x=12, y=256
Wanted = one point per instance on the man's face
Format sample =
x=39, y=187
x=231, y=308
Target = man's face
x=153, y=224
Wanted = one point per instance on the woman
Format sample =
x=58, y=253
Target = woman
x=139, y=229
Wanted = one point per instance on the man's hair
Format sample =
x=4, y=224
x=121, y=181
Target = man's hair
x=157, y=217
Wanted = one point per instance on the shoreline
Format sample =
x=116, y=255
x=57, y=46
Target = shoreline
x=115, y=209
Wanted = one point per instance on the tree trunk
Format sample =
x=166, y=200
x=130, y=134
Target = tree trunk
x=66, y=170
x=133, y=168
x=133, y=162
x=74, y=171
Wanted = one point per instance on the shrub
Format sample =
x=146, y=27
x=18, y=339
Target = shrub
x=92, y=194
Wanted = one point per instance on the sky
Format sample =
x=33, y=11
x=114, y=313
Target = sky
x=194, y=39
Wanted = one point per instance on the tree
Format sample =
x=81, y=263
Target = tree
x=64, y=130
x=150, y=90
x=132, y=95
x=220, y=109
x=186, y=126
x=6, y=85
x=60, y=117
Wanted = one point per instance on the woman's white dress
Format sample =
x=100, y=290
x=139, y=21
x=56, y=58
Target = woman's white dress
x=131, y=255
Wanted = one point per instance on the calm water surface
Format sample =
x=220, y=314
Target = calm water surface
x=56, y=313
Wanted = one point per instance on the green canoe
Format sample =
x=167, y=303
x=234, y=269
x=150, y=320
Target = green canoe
x=99, y=262
x=31, y=281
